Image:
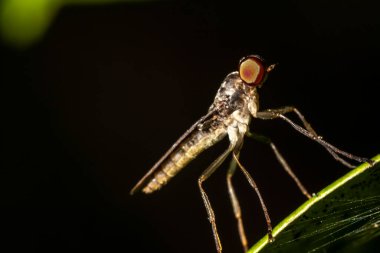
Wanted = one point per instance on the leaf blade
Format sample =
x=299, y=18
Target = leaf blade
x=316, y=202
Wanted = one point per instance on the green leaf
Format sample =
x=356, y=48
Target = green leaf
x=343, y=217
x=24, y=22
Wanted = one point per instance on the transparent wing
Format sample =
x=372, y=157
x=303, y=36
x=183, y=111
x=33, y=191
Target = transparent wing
x=148, y=176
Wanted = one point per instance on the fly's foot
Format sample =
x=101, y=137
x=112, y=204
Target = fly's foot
x=270, y=236
x=371, y=162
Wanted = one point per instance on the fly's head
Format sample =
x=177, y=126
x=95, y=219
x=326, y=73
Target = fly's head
x=253, y=71
x=238, y=90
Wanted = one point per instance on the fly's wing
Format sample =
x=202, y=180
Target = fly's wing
x=148, y=176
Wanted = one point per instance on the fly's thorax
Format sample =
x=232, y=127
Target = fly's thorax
x=234, y=95
x=236, y=102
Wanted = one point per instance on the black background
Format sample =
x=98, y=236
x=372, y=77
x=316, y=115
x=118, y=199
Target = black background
x=88, y=110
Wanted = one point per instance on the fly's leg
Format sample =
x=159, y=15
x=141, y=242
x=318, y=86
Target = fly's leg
x=235, y=205
x=274, y=113
x=309, y=132
x=281, y=160
x=325, y=143
x=254, y=186
x=210, y=212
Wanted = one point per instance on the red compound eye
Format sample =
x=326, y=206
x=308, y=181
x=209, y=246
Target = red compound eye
x=251, y=70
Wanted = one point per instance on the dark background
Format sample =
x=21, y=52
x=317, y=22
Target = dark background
x=88, y=110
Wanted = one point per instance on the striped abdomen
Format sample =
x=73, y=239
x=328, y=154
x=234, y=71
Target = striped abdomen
x=182, y=155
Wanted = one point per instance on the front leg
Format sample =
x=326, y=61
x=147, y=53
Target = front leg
x=274, y=113
x=309, y=132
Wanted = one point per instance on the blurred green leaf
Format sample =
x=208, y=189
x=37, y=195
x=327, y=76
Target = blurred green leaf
x=24, y=22
x=343, y=217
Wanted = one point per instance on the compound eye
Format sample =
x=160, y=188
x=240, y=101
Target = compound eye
x=251, y=70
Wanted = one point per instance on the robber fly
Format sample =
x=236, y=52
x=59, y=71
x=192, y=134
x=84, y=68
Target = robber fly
x=235, y=104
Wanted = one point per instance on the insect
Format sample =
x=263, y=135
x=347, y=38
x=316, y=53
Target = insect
x=234, y=106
